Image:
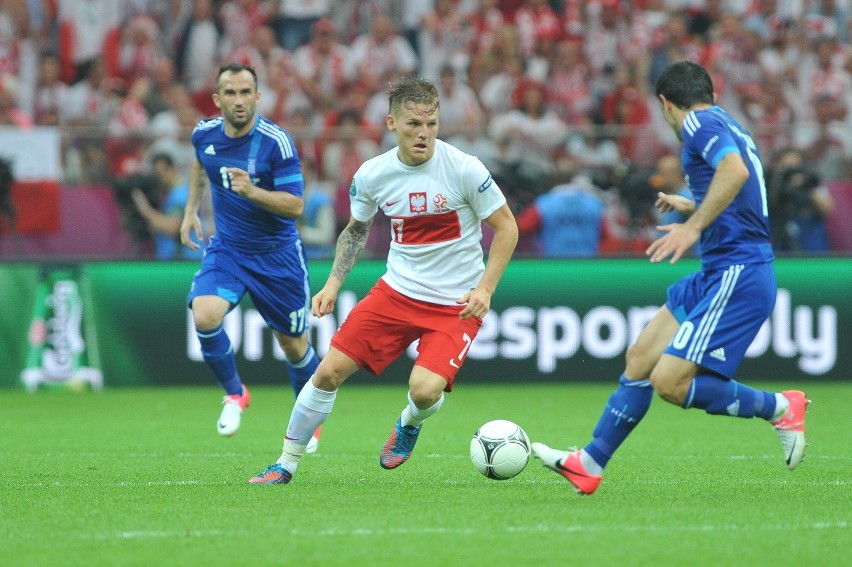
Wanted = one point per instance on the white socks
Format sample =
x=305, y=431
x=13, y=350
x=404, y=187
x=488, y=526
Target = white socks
x=414, y=416
x=311, y=410
x=782, y=404
x=592, y=467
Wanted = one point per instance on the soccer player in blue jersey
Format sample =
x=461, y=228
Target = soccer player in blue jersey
x=689, y=352
x=254, y=173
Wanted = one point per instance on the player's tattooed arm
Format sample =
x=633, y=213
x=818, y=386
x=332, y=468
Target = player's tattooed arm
x=350, y=244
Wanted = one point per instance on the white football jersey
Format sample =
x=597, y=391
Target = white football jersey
x=436, y=211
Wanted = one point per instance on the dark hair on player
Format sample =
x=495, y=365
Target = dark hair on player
x=235, y=68
x=685, y=84
x=409, y=90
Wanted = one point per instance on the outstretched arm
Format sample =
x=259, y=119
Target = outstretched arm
x=350, y=244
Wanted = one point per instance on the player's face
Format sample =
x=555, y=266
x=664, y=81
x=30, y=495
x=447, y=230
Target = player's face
x=237, y=97
x=416, y=127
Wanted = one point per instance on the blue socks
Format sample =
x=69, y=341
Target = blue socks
x=720, y=396
x=624, y=410
x=219, y=356
x=301, y=371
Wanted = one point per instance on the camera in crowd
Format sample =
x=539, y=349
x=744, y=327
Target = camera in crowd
x=794, y=187
x=132, y=220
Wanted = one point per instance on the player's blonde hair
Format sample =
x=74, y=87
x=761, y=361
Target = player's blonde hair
x=409, y=90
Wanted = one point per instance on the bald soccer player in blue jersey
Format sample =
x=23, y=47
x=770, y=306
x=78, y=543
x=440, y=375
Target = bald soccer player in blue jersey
x=254, y=173
x=689, y=352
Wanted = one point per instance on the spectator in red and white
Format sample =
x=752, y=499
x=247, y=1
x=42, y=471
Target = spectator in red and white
x=770, y=115
x=50, y=92
x=89, y=102
x=127, y=131
x=568, y=83
x=822, y=74
x=323, y=65
x=342, y=157
x=457, y=101
x=613, y=34
x=240, y=19
x=131, y=51
x=536, y=21
x=18, y=44
x=382, y=54
x=294, y=18
x=484, y=23
x=496, y=93
x=265, y=56
x=282, y=96
x=83, y=27
x=356, y=95
x=443, y=40
x=627, y=110
x=199, y=51
x=826, y=138
x=20, y=51
x=10, y=112
x=306, y=128
x=739, y=58
x=472, y=139
x=178, y=118
x=529, y=134
x=836, y=13
x=782, y=52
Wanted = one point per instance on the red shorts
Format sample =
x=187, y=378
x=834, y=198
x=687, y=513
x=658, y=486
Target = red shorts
x=382, y=325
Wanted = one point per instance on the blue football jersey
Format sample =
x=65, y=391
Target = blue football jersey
x=740, y=235
x=269, y=155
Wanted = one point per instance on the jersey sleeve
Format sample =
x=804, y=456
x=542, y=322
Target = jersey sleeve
x=286, y=167
x=482, y=191
x=708, y=137
x=362, y=204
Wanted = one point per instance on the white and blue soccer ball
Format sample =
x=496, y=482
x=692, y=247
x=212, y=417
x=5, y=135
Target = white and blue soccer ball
x=500, y=449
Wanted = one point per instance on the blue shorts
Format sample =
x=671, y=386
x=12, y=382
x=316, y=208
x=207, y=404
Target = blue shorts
x=720, y=313
x=277, y=282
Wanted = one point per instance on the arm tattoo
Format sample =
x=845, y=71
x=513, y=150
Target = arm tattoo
x=351, y=242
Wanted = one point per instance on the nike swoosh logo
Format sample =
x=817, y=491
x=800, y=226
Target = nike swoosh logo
x=392, y=203
x=221, y=425
x=792, y=450
x=566, y=469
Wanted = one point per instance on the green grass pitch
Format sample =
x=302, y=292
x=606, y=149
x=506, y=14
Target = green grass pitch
x=140, y=477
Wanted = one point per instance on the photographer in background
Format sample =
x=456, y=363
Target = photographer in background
x=164, y=223
x=798, y=205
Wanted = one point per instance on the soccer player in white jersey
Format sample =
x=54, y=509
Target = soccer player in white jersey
x=436, y=289
x=254, y=174
x=690, y=351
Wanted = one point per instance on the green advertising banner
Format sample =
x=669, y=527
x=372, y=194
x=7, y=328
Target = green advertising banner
x=569, y=320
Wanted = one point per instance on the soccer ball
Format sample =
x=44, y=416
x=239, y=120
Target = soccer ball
x=500, y=449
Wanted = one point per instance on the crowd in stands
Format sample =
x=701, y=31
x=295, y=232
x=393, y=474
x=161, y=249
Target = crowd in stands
x=525, y=85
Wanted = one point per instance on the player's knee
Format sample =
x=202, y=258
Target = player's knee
x=329, y=376
x=205, y=320
x=294, y=347
x=425, y=394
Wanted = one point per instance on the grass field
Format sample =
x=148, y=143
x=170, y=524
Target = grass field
x=140, y=477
